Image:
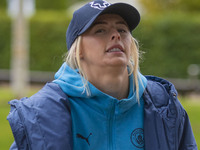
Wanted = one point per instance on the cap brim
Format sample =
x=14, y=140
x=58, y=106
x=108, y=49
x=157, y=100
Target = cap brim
x=129, y=13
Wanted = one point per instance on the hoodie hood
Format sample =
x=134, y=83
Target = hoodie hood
x=71, y=83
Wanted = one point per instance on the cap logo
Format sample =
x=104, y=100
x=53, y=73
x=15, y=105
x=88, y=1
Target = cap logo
x=99, y=5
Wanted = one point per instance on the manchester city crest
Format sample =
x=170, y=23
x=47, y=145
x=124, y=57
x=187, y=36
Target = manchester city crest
x=137, y=138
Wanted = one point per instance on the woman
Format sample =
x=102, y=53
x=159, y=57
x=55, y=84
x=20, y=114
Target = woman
x=98, y=99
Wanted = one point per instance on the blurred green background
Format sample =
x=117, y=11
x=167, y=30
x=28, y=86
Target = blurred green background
x=168, y=34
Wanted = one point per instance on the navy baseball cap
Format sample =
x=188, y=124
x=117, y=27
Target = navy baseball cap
x=84, y=17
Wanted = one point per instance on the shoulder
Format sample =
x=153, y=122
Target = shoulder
x=160, y=90
x=161, y=103
x=163, y=109
x=163, y=95
x=50, y=102
x=50, y=93
x=46, y=115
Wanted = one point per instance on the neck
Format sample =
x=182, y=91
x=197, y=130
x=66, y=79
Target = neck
x=112, y=81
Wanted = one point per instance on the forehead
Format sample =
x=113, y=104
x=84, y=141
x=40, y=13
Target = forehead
x=110, y=18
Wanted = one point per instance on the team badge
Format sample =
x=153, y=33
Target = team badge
x=137, y=138
x=99, y=5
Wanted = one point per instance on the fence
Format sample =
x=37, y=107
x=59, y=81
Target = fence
x=183, y=86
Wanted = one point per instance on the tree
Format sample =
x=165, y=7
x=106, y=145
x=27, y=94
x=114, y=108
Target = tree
x=168, y=5
x=55, y=5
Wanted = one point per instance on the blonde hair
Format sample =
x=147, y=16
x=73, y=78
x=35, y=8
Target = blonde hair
x=73, y=60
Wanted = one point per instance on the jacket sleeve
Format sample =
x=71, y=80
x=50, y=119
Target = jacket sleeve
x=42, y=121
x=16, y=123
x=186, y=137
x=165, y=120
x=13, y=146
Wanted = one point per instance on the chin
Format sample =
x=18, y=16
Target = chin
x=118, y=63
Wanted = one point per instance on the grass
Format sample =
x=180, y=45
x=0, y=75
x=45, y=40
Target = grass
x=193, y=110
x=192, y=107
x=6, y=137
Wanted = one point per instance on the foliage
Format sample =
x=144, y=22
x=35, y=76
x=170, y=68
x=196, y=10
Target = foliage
x=45, y=4
x=3, y=4
x=189, y=5
x=54, y=5
x=167, y=5
x=170, y=43
x=5, y=42
x=48, y=45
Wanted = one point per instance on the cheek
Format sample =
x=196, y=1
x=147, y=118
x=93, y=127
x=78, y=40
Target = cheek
x=127, y=44
x=91, y=44
x=90, y=48
x=85, y=46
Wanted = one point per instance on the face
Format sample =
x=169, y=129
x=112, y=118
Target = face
x=106, y=43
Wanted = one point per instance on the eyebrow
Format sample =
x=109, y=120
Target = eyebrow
x=104, y=22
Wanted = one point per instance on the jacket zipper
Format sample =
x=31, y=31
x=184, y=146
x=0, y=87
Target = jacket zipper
x=174, y=98
x=111, y=119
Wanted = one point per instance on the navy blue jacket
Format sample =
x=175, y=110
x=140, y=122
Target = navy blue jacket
x=43, y=121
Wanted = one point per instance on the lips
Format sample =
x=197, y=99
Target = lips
x=115, y=48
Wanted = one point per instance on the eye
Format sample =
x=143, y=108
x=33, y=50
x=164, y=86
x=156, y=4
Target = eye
x=122, y=30
x=100, y=31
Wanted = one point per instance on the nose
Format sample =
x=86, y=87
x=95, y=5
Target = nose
x=115, y=35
